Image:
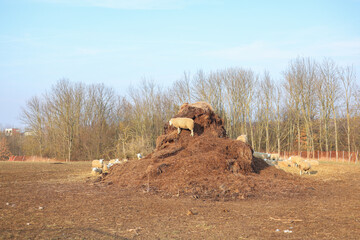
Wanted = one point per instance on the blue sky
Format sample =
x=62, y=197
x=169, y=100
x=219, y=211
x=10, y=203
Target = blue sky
x=119, y=43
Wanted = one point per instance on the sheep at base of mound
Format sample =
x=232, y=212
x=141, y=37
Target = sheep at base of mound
x=183, y=123
x=242, y=138
x=96, y=171
x=304, y=167
x=97, y=163
x=114, y=161
x=296, y=160
x=274, y=156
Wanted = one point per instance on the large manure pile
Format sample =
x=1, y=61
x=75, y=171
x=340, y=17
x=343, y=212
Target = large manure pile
x=208, y=165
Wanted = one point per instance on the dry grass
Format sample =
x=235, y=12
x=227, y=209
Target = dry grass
x=45, y=172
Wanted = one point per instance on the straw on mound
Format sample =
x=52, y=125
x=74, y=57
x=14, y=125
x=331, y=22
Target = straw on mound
x=208, y=165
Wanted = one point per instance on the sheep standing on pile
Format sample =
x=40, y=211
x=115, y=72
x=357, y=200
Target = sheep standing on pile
x=242, y=138
x=183, y=123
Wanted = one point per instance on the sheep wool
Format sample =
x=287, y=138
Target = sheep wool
x=105, y=168
x=296, y=160
x=242, y=138
x=183, y=123
x=96, y=171
x=97, y=164
x=274, y=156
x=304, y=167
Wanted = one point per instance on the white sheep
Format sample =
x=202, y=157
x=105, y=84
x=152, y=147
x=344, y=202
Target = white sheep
x=185, y=123
x=274, y=156
x=304, y=167
x=295, y=160
x=242, y=138
x=116, y=161
x=96, y=171
x=263, y=156
x=105, y=168
x=97, y=163
x=112, y=161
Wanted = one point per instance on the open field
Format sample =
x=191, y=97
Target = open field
x=63, y=201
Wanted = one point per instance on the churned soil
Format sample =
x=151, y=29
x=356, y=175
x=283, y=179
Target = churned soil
x=62, y=201
x=208, y=165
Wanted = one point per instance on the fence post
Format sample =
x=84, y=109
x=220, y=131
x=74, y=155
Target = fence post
x=330, y=155
x=357, y=154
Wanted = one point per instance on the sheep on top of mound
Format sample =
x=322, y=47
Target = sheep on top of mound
x=206, y=165
x=205, y=122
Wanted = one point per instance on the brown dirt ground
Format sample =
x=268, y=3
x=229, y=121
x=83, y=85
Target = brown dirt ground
x=74, y=207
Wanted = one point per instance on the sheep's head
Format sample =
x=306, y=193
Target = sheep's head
x=170, y=123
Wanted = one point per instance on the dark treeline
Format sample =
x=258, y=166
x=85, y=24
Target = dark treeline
x=315, y=106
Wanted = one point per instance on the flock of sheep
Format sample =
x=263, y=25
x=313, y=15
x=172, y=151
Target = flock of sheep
x=274, y=159
x=294, y=161
x=101, y=166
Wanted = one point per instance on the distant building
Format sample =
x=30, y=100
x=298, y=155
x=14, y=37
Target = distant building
x=11, y=131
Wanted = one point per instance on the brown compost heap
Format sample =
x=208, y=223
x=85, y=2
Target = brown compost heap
x=207, y=165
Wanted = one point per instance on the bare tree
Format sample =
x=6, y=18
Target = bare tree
x=300, y=80
x=182, y=90
x=65, y=103
x=267, y=90
x=33, y=117
x=347, y=77
x=329, y=75
x=292, y=91
x=278, y=130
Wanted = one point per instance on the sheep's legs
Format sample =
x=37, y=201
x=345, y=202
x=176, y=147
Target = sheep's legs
x=192, y=132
